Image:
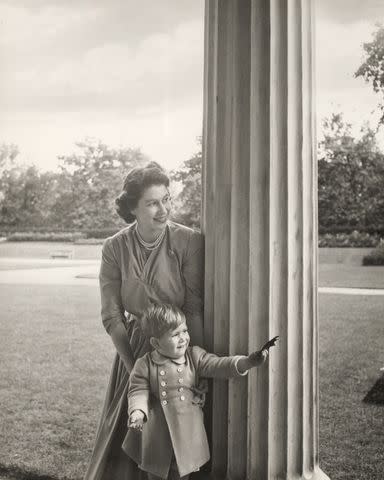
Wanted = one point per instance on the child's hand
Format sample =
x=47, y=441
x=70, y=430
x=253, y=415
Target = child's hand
x=256, y=358
x=270, y=343
x=136, y=420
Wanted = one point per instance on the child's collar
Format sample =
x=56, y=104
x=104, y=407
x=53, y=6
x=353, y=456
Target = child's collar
x=159, y=359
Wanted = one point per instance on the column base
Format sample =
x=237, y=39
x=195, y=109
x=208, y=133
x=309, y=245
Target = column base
x=317, y=474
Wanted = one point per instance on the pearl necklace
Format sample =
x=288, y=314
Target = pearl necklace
x=149, y=245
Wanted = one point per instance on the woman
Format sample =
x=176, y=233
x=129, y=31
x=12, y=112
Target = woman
x=152, y=260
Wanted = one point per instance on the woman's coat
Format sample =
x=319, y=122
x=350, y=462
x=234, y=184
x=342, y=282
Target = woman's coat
x=129, y=283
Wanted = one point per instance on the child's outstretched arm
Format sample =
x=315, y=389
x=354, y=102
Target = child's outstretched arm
x=256, y=358
x=210, y=365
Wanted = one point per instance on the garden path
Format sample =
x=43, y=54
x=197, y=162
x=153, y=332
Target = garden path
x=35, y=271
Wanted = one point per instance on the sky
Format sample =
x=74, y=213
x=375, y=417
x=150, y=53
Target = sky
x=342, y=26
x=130, y=73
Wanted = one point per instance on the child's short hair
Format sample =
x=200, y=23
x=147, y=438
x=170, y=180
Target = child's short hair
x=159, y=318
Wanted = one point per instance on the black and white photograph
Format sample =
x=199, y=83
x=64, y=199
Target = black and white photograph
x=192, y=240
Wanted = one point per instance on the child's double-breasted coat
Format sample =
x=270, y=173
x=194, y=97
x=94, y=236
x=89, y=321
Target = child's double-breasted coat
x=164, y=389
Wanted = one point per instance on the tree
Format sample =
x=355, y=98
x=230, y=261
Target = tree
x=187, y=204
x=80, y=196
x=350, y=177
x=372, y=69
x=90, y=181
x=8, y=153
x=26, y=197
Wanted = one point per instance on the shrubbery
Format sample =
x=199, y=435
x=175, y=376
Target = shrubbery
x=48, y=235
x=101, y=232
x=341, y=240
x=349, y=240
x=376, y=257
x=348, y=229
x=45, y=236
x=89, y=241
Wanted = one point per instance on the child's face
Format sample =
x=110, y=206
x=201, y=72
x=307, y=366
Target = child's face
x=173, y=343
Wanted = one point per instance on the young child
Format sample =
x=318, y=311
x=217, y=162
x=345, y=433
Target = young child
x=164, y=407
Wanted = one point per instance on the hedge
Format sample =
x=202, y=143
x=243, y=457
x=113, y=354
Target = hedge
x=349, y=240
x=45, y=237
x=354, y=239
x=334, y=229
x=376, y=257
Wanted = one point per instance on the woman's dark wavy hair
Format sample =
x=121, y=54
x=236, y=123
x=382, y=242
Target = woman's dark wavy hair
x=137, y=180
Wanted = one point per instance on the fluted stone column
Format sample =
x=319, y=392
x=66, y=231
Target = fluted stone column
x=259, y=220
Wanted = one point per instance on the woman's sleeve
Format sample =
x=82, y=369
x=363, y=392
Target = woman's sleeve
x=112, y=310
x=193, y=272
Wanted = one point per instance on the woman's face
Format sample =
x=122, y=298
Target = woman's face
x=153, y=208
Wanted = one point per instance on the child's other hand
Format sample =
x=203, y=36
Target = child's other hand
x=136, y=420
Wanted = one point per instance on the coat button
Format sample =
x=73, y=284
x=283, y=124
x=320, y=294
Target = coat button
x=182, y=398
x=164, y=402
x=163, y=384
x=162, y=373
x=181, y=389
x=180, y=380
x=164, y=394
x=179, y=369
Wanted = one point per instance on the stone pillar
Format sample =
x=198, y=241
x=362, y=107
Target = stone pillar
x=259, y=220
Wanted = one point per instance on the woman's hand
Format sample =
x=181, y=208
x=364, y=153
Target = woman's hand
x=120, y=340
x=136, y=420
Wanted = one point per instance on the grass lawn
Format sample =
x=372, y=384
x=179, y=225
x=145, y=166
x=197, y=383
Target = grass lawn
x=54, y=362
x=351, y=276
x=340, y=256
x=351, y=353
x=341, y=267
x=55, y=359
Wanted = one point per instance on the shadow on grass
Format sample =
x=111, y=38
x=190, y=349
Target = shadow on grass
x=376, y=393
x=15, y=473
